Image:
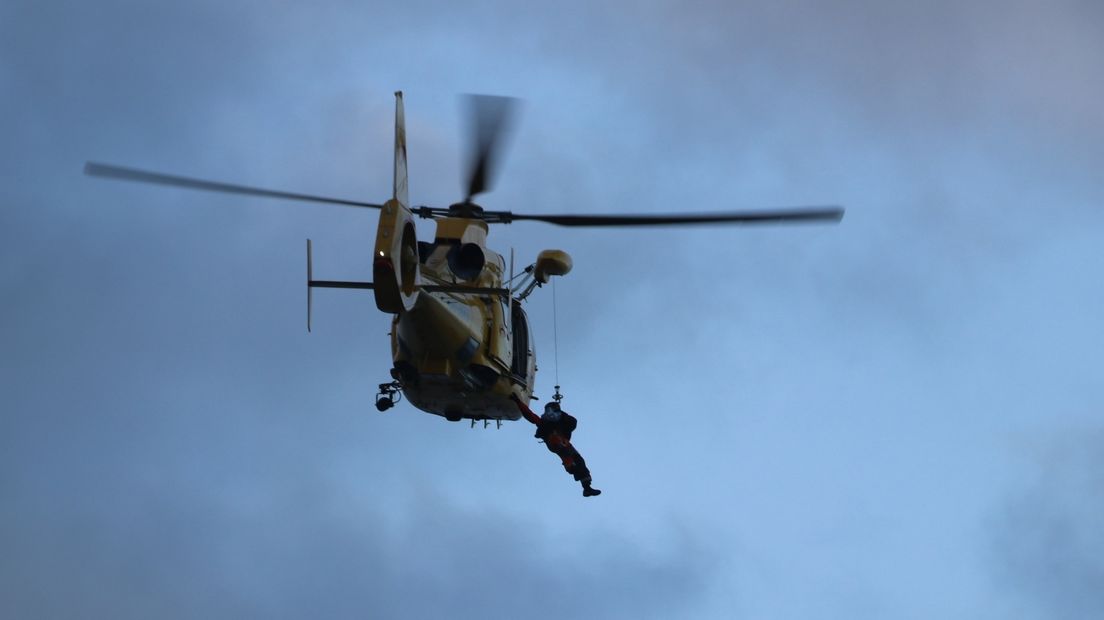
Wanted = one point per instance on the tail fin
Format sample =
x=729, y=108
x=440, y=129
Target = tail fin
x=400, y=152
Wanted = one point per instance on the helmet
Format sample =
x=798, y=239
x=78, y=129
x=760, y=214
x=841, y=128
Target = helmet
x=551, y=412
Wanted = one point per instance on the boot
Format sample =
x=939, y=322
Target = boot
x=589, y=490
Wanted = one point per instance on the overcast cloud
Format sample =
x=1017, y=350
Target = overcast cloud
x=895, y=417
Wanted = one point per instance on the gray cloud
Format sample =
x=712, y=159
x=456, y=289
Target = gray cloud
x=168, y=550
x=822, y=406
x=1048, y=541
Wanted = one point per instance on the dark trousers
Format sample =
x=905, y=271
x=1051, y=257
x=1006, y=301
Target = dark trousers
x=573, y=462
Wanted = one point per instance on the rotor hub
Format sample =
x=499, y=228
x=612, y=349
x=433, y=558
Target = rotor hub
x=466, y=209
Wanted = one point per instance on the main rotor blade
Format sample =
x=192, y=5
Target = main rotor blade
x=490, y=120
x=157, y=178
x=812, y=214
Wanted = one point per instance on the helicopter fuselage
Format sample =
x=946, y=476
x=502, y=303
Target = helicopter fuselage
x=457, y=354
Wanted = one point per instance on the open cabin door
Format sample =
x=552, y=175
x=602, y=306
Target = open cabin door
x=523, y=363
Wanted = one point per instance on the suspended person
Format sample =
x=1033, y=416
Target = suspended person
x=555, y=427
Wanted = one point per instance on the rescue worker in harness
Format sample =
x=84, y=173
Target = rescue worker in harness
x=555, y=428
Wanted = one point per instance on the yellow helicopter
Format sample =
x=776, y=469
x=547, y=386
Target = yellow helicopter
x=461, y=344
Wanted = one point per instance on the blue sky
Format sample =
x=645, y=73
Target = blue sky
x=895, y=417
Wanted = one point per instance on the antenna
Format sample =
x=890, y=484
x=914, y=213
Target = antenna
x=556, y=344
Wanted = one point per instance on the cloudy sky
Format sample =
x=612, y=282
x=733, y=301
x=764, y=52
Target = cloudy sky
x=895, y=417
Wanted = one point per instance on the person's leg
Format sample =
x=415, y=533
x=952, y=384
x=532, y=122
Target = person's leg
x=581, y=472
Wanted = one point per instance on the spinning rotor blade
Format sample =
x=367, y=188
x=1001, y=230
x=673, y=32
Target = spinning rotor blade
x=156, y=178
x=811, y=214
x=490, y=119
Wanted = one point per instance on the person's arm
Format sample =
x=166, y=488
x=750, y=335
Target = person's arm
x=569, y=422
x=525, y=410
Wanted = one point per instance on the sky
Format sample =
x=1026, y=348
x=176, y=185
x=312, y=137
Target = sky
x=897, y=416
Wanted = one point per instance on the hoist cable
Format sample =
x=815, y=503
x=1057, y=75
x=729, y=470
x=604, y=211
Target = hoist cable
x=555, y=336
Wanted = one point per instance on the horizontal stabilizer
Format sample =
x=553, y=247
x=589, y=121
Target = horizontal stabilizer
x=339, y=284
x=313, y=284
x=429, y=288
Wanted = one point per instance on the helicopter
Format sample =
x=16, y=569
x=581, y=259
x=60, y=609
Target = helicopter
x=461, y=343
